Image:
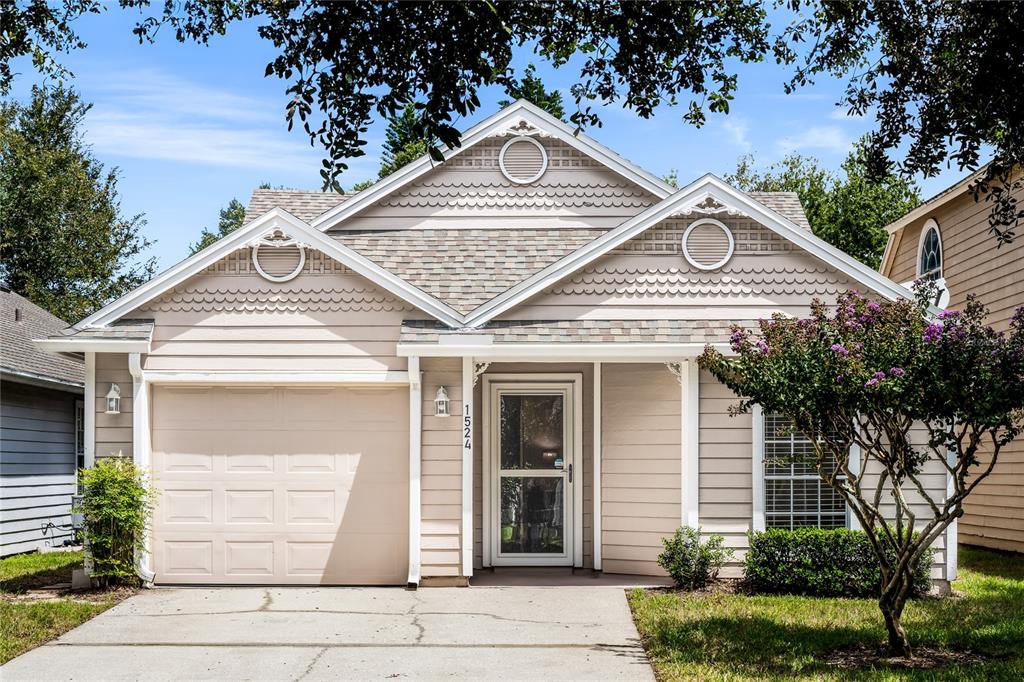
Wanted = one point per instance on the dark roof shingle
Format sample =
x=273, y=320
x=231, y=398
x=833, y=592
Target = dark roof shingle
x=17, y=352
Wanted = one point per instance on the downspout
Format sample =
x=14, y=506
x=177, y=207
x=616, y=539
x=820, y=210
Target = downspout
x=140, y=453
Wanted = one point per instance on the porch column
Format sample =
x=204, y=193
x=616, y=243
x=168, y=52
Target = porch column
x=689, y=380
x=596, y=523
x=415, y=436
x=468, y=375
x=140, y=451
x=90, y=411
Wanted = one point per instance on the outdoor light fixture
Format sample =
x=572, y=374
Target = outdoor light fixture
x=441, y=402
x=114, y=400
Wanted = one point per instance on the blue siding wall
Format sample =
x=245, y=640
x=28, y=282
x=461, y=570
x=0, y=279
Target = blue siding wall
x=37, y=466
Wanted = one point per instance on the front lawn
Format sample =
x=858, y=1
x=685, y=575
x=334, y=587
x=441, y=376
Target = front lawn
x=708, y=636
x=29, y=617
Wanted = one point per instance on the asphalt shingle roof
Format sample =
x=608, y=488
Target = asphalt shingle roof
x=126, y=329
x=786, y=204
x=303, y=204
x=581, y=331
x=18, y=353
x=465, y=268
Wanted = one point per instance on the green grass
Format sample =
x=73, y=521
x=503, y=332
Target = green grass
x=26, y=624
x=738, y=637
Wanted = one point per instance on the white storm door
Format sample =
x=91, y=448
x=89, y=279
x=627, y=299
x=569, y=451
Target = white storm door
x=533, y=444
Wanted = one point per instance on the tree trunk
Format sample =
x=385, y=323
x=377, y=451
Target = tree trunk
x=899, y=645
x=892, y=603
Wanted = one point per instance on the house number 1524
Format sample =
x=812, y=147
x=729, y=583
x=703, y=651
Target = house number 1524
x=467, y=423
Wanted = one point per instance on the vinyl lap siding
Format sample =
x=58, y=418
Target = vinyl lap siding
x=113, y=431
x=641, y=465
x=37, y=466
x=973, y=265
x=726, y=478
x=441, y=475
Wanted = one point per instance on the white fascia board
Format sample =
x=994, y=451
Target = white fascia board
x=890, y=250
x=281, y=219
x=33, y=379
x=559, y=352
x=355, y=377
x=92, y=345
x=707, y=185
x=488, y=127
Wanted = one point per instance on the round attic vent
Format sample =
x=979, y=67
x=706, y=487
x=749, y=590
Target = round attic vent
x=707, y=244
x=278, y=258
x=523, y=160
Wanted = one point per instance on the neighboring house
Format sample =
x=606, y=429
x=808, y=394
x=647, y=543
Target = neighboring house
x=947, y=238
x=481, y=363
x=41, y=429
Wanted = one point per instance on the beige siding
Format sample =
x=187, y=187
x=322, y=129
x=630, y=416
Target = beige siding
x=973, y=265
x=441, y=476
x=648, y=278
x=113, y=431
x=575, y=191
x=641, y=465
x=726, y=466
x=229, y=318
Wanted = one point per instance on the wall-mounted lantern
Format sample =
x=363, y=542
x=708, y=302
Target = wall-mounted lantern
x=441, y=402
x=114, y=400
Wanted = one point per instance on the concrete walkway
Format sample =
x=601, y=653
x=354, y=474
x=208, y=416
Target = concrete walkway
x=479, y=633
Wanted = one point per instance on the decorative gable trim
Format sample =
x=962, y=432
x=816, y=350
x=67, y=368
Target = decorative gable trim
x=519, y=119
x=256, y=232
x=708, y=192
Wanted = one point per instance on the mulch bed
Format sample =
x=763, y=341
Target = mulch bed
x=925, y=658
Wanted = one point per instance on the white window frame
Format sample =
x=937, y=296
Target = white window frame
x=760, y=478
x=929, y=225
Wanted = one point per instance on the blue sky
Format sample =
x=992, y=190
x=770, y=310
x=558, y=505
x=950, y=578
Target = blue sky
x=192, y=126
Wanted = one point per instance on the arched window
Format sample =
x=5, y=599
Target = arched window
x=929, y=258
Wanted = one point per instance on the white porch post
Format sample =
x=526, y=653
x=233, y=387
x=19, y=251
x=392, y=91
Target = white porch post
x=415, y=511
x=951, y=529
x=757, y=466
x=141, y=450
x=689, y=380
x=468, y=376
x=596, y=524
x=90, y=410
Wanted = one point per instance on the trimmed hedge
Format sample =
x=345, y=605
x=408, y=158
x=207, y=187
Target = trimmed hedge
x=820, y=563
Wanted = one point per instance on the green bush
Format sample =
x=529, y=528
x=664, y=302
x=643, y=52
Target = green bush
x=821, y=563
x=691, y=563
x=116, y=504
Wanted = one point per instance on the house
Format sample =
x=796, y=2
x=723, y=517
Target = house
x=488, y=362
x=41, y=429
x=947, y=238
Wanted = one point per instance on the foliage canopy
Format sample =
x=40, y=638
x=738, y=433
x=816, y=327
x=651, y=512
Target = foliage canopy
x=64, y=243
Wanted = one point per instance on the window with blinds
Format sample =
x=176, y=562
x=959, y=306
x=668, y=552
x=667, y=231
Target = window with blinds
x=794, y=494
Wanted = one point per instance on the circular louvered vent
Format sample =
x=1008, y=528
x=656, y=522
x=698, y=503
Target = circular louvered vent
x=523, y=160
x=278, y=258
x=707, y=244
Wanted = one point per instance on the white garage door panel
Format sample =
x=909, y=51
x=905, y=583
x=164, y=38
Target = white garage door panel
x=280, y=485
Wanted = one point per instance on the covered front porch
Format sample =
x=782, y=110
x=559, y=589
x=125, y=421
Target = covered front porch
x=568, y=451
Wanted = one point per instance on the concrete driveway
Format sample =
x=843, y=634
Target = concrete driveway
x=480, y=633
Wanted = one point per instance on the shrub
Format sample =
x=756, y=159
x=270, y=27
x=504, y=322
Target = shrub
x=691, y=563
x=115, y=504
x=821, y=563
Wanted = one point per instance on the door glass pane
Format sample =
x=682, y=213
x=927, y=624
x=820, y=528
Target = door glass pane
x=531, y=432
x=532, y=515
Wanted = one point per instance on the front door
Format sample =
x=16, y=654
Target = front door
x=533, y=467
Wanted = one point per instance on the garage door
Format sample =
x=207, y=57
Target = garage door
x=280, y=485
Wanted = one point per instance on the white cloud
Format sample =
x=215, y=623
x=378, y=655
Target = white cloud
x=737, y=128
x=150, y=114
x=829, y=138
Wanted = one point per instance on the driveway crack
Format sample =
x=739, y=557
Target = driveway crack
x=309, y=668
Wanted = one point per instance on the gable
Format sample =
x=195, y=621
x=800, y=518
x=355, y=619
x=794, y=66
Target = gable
x=471, y=190
x=648, y=277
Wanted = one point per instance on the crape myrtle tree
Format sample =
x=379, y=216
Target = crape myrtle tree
x=869, y=373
